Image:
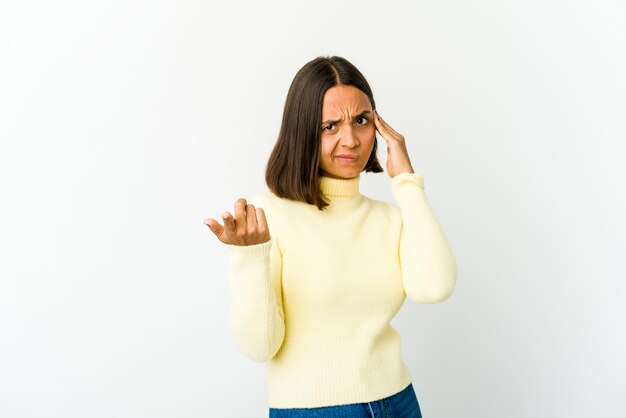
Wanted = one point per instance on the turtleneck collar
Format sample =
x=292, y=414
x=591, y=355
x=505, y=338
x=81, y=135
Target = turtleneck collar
x=340, y=187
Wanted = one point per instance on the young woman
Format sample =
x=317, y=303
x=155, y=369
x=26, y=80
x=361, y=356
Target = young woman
x=317, y=270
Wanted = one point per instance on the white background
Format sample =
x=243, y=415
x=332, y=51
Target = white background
x=124, y=124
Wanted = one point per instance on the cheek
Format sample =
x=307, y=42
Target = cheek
x=327, y=148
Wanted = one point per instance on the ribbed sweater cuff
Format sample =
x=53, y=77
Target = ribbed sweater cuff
x=408, y=190
x=249, y=275
x=249, y=252
x=404, y=177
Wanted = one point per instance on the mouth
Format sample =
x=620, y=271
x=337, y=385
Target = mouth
x=346, y=157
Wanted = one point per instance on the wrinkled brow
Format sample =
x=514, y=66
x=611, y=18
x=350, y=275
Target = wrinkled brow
x=364, y=112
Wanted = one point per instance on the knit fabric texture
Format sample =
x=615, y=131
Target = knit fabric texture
x=315, y=301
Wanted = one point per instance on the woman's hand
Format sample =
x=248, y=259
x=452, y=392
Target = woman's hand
x=248, y=227
x=397, y=155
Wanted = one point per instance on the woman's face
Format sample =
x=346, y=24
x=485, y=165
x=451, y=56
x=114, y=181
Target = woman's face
x=347, y=129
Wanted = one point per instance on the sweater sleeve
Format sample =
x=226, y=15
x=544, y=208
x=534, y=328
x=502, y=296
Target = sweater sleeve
x=428, y=265
x=256, y=318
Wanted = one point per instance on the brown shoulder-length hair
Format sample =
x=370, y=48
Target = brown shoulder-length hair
x=293, y=167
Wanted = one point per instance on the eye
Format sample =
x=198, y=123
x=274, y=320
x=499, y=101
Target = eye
x=363, y=117
x=330, y=124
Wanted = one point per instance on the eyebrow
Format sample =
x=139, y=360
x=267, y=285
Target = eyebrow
x=364, y=112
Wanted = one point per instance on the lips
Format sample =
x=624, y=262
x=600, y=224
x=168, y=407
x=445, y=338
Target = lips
x=347, y=156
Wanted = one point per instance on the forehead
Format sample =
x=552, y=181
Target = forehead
x=341, y=99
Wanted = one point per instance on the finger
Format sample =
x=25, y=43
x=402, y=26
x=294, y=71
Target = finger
x=261, y=221
x=388, y=133
x=229, y=223
x=386, y=127
x=251, y=217
x=240, y=213
x=381, y=129
x=214, y=226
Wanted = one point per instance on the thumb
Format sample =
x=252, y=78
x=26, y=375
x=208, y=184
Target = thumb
x=214, y=226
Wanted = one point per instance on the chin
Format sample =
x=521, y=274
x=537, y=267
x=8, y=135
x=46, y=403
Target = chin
x=347, y=173
x=343, y=171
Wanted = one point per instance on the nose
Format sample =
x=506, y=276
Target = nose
x=349, y=138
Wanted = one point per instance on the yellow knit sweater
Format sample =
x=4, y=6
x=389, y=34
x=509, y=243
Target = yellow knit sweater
x=315, y=301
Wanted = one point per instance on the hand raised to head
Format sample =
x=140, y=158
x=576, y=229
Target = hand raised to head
x=398, y=160
x=247, y=227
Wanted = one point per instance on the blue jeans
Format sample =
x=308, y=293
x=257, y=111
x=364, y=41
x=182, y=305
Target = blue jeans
x=403, y=404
